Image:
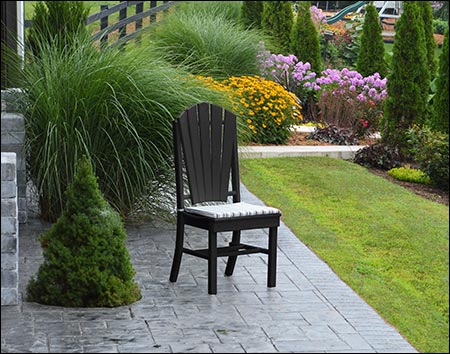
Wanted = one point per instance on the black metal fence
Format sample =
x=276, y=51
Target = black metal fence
x=127, y=16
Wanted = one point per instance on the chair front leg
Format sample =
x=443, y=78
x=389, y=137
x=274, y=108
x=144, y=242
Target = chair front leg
x=236, y=240
x=212, y=263
x=272, y=266
x=178, y=249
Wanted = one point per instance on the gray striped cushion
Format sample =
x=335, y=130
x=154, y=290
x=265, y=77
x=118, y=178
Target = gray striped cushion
x=231, y=210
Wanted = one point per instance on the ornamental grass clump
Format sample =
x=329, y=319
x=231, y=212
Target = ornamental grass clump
x=86, y=263
x=207, y=43
x=114, y=106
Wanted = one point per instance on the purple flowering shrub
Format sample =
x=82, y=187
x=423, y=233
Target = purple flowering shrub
x=344, y=97
x=349, y=100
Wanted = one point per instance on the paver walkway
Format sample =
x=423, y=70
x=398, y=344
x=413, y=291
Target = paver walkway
x=310, y=310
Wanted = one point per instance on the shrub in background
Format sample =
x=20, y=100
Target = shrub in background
x=251, y=13
x=371, y=52
x=440, y=26
x=409, y=81
x=86, y=263
x=277, y=20
x=305, y=44
x=344, y=97
x=430, y=149
x=409, y=174
x=379, y=155
x=430, y=42
x=334, y=135
x=114, y=106
x=57, y=23
x=440, y=101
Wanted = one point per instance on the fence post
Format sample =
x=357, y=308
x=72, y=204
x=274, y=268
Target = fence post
x=138, y=26
x=152, y=5
x=122, y=16
x=103, y=25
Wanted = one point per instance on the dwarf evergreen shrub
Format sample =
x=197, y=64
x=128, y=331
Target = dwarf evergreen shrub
x=86, y=263
x=409, y=174
x=371, y=58
x=441, y=102
x=277, y=20
x=305, y=43
x=251, y=13
x=409, y=82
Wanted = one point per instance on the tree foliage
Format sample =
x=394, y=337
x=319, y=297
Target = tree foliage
x=371, y=53
x=305, y=44
x=430, y=43
x=277, y=20
x=57, y=23
x=86, y=263
x=409, y=81
x=251, y=13
x=441, y=101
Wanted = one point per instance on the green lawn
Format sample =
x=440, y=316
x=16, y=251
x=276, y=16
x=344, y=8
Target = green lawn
x=388, y=244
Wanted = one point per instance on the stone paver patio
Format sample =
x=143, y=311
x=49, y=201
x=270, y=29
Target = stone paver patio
x=310, y=310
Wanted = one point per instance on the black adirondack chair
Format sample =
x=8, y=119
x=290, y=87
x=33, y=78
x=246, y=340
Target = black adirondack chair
x=205, y=149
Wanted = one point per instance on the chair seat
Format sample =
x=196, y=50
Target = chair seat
x=231, y=210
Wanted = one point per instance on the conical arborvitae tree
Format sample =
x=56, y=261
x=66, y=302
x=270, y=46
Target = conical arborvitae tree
x=86, y=263
x=441, y=101
x=371, y=58
x=409, y=82
x=56, y=23
x=251, y=13
x=277, y=20
x=430, y=43
x=305, y=43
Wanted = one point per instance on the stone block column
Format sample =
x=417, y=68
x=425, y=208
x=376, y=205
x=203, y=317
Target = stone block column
x=9, y=231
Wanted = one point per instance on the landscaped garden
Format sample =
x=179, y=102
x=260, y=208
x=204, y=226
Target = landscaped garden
x=276, y=66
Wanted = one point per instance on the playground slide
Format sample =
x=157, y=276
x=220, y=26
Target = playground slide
x=340, y=15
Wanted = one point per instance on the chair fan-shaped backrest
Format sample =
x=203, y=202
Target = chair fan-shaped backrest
x=205, y=142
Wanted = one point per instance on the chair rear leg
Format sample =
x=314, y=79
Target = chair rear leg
x=236, y=240
x=178, y=250
x=212, y=263
x=272, y=266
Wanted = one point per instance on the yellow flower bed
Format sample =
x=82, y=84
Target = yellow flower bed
x=266, y=108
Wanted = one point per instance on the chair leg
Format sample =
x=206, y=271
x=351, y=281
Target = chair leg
x=178, y=250
x=236, y=240
x=272, y=267
x=212, y=263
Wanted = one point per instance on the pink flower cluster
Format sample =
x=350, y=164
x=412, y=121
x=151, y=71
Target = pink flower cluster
x=317, y=16
x=371, y=87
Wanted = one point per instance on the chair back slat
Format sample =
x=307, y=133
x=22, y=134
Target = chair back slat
x=216, y=150
x=205, y=136
x=229, y=134
x=209, y=149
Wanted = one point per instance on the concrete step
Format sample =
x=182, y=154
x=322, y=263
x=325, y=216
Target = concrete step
x=333, y=151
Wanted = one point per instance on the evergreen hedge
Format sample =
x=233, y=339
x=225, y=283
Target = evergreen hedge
x=441, y=102
x=86, y=263
x=305, y=43
x=57, y=23
x=409, y=81
x=277, y=20
x=430, y=43
x=371, y=52
x=251, y=13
